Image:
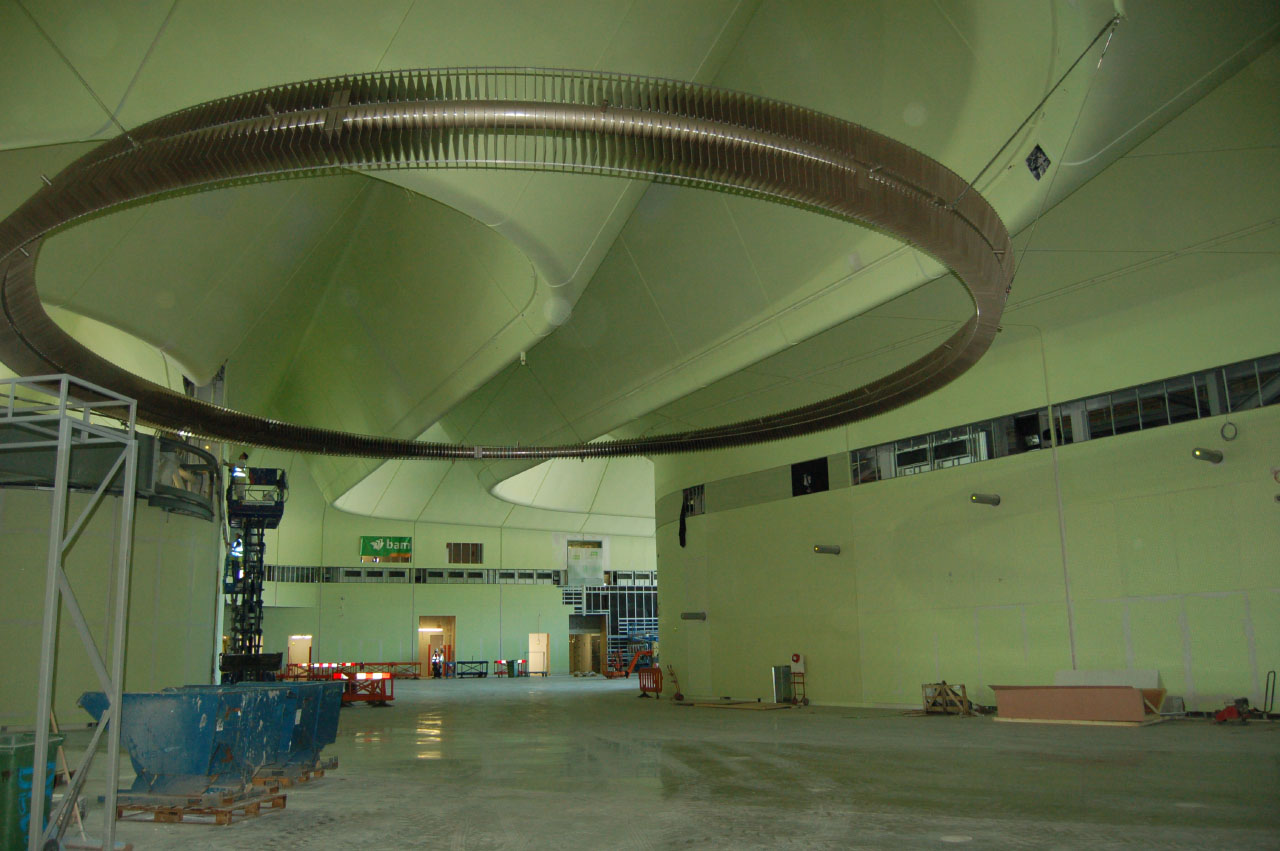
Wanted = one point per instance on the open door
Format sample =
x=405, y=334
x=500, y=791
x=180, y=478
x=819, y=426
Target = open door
x=299, y=650
x=539, y=652
x=436, y=641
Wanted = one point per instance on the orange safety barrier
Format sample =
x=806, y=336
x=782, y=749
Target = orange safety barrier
x=326, y=670
x=377, y=688
x=650, y=681
x=412, y=670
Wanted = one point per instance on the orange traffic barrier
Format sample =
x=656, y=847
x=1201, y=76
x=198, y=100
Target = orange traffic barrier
x=326, y=670
x=650, y=681
x=376, y=688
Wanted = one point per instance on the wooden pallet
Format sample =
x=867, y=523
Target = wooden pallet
x=173, y=812
x=286, y=777
x=1146, y=723
x=287, y=780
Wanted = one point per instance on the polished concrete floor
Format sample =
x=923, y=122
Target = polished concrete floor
x=582, y=764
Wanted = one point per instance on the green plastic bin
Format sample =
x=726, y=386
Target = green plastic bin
x=17, y=764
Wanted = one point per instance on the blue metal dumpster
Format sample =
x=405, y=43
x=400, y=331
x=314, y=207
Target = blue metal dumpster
x=313, y=725
x=330, y=705
x=193, y=743
x=323, y=702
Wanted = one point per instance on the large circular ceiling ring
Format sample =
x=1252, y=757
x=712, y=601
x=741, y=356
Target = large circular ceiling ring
x=546, y=120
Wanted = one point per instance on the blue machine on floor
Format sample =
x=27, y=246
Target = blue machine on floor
x=197, y=742
x=314, y=724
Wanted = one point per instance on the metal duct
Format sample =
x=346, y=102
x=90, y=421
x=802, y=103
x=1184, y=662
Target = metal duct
x=545, y=120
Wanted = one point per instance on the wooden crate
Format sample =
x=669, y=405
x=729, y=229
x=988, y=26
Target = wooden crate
x=945, y=699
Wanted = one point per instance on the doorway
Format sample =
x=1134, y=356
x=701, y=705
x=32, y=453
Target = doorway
x=584, y=653
x=539, y=652
x=299, y=650
x=436, y=642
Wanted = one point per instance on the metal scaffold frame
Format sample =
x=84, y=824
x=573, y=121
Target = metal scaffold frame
x=59, y=412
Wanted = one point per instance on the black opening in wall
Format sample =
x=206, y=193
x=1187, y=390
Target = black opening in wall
x=809, y=477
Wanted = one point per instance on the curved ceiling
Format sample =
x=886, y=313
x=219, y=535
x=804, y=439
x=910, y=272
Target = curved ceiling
x=361, y=303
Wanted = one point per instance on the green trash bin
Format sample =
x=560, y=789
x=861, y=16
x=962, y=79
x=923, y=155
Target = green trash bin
x=17, y=764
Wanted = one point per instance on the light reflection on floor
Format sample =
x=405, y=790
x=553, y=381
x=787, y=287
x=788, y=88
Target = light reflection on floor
x=428, y=735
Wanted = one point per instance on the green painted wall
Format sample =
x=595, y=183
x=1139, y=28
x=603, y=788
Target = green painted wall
x=172, y=599
x=1169, y=562
x=354, y=622
x=378, y=621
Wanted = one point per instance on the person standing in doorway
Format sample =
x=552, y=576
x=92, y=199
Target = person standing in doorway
x=435, y=664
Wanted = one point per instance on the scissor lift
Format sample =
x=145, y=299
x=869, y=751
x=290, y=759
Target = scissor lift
x=255, y=503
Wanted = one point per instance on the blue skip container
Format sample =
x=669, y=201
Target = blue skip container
x=192, y=743
x=313, y=725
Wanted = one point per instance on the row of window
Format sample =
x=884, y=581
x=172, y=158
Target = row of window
x=630, y=578
x=1213, y=392
x=424, y=575
x=419, y=575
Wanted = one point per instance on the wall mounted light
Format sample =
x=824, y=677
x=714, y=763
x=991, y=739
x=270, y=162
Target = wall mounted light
x=827, y=549
x=430, y=629
x=299, y=638
x=985, y=498
x=1213, y=456
x=693, y=616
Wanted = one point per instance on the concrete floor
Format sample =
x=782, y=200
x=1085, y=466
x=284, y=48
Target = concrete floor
x=583, y=764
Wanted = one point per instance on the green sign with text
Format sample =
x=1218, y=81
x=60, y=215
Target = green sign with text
x=386, y=548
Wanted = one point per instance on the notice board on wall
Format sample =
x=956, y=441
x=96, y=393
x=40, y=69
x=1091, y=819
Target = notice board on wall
x=385, y=548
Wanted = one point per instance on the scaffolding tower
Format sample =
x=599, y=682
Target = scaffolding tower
x=255, y=503
x=68, y=415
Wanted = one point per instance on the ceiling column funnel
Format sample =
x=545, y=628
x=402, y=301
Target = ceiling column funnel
x=985, y=498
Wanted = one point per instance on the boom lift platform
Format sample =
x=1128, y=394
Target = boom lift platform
x=255, y=503
x=642, y=656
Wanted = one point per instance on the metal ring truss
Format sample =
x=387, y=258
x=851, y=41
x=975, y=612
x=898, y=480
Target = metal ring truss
x=546, y=120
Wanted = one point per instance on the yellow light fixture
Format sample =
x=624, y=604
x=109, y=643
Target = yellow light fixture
x=430, y=629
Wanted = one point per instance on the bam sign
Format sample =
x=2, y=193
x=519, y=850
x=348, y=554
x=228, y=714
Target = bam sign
x=385, y=548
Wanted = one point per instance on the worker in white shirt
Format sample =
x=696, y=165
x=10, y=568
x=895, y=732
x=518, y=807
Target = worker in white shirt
x=239, y=476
